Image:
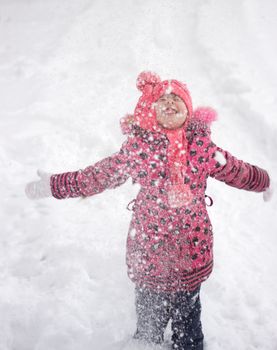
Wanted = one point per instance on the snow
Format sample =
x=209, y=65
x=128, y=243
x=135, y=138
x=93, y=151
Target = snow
x=220, y=158
x=68, y=73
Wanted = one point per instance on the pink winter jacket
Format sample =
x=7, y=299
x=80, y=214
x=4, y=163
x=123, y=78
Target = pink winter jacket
x=169, y=249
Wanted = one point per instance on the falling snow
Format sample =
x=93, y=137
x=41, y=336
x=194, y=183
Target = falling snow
x=68, y=73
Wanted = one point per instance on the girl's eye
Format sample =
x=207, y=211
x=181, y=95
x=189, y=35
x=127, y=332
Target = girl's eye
x=174, y=98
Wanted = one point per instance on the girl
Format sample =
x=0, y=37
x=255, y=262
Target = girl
x=169, y=152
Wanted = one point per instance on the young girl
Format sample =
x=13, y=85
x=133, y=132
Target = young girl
x=169, y=152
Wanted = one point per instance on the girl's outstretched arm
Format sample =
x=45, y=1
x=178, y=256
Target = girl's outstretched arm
x=109, y=172
x=234, y=172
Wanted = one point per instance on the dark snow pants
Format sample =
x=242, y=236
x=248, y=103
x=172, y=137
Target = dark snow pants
x=155, y=309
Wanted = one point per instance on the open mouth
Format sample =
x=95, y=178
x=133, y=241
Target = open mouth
x=170, y=111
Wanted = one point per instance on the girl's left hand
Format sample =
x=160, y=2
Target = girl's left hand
x=268, y=193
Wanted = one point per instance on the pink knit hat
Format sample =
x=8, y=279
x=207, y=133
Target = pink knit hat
x=152, y=89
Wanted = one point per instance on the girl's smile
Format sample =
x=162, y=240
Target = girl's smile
x=171, y=111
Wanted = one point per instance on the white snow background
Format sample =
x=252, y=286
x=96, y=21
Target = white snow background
x=67, y=75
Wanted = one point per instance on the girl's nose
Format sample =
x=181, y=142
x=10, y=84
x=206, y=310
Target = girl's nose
x=169, y=101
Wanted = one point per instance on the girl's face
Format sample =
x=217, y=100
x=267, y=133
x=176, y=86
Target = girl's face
x=171, y=111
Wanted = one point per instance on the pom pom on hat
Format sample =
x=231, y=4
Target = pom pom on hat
x=147, y=78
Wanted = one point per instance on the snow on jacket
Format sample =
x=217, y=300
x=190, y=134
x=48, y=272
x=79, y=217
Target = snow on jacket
x=168, y=249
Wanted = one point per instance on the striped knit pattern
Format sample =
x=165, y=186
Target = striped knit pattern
x=109, y=172
x=240, y=174
x=188, y=281
x=65, y=185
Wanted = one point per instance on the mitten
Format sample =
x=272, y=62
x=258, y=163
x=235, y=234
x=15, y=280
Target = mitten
x=268, y=193
x=39, y=189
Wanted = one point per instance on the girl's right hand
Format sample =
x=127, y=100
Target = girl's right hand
x=39, y=189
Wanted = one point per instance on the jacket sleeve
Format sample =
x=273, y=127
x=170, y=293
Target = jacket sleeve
x=234, y=172
x=109, y=172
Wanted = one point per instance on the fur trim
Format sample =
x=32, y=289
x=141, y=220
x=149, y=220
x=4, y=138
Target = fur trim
x=126, y=124
x=200, y=123
x=206, y=115
x=201, y=119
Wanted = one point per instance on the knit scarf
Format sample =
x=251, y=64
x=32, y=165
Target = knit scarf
x=179, y=193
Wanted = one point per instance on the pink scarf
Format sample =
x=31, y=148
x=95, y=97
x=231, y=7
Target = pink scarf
x=179, y=193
